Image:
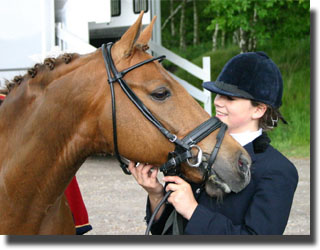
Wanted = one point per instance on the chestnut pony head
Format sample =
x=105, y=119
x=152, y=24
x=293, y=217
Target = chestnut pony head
x=140, y=141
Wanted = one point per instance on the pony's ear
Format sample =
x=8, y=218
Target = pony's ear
x=125, y=44
x=146, y=35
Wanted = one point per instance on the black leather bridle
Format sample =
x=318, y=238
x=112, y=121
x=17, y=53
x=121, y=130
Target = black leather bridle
x=183, y=147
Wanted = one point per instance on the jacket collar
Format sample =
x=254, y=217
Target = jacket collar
x=259, y=145
x=250, y=150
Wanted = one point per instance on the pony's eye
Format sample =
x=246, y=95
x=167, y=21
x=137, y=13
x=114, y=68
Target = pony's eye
x=160, y=94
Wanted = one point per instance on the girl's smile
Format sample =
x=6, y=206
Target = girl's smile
x=220, y=114
x=238, y=113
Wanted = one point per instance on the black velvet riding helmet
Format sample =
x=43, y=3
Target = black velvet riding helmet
x=251, y=75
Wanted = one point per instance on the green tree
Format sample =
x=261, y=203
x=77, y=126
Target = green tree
x=194, y=22
x=255, y=21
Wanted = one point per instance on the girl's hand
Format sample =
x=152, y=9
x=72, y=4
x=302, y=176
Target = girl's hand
x=146, y=176
x=182, y=197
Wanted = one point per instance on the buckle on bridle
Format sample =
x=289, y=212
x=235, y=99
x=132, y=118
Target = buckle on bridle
x=199, y=157
x=173, y=139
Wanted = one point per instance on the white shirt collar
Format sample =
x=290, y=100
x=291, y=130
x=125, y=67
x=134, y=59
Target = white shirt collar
x=246, y=137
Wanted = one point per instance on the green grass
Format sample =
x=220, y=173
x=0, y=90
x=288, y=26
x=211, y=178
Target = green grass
x=293, y=59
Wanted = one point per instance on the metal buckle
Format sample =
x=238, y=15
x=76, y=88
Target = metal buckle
x=174, y=138
x=174, y=162
x=199, y=157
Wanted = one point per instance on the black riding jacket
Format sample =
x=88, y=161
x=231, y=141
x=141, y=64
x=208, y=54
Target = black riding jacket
x=263, y=207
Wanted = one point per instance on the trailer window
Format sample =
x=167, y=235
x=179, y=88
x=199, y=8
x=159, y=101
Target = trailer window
x=115, y=8
x=139, y=5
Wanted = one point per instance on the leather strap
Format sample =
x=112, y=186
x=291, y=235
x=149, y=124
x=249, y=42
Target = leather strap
x=215, y=151
x=176, y=221
x=169, y=168
x=202, y=131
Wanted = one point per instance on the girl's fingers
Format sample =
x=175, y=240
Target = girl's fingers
x=132, y=168
x=175, y=179
x=171, y=186
x=154, y=173
x=140, y=166
x=145, y=170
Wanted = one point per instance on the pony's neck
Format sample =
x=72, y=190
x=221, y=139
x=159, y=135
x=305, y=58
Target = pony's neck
x=48, y=140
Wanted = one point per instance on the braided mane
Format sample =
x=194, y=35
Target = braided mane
x=48, y=65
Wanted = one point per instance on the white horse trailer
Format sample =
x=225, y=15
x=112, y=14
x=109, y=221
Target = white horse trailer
x=27, y=29
x=35, y=29
x=97, y=21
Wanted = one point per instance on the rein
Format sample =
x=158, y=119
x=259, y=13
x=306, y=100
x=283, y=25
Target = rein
x=183, y=147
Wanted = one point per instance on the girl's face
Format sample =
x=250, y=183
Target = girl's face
x=237, y=113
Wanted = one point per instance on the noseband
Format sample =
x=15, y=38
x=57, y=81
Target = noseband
x=183, y=147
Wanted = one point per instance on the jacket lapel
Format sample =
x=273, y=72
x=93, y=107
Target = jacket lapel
x=250, y=150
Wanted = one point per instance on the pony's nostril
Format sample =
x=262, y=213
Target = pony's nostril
x=243, y=164
x=243, y=167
